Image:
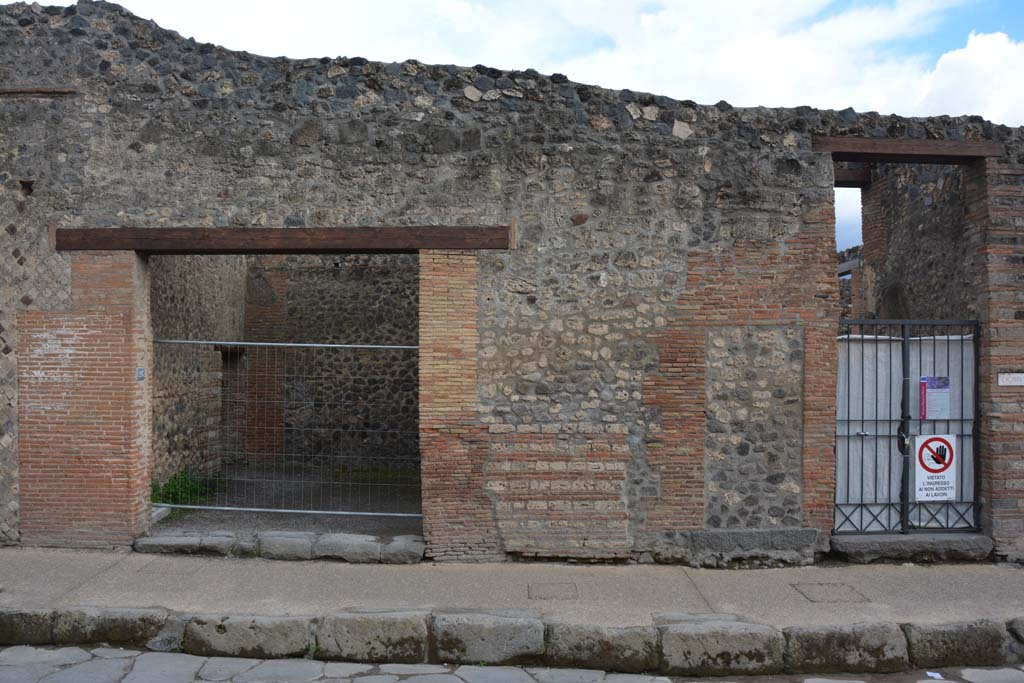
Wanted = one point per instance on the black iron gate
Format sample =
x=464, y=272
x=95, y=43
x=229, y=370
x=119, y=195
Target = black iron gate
x=890, y=373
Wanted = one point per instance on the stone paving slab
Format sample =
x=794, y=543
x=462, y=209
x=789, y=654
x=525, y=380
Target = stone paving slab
x=29, y=664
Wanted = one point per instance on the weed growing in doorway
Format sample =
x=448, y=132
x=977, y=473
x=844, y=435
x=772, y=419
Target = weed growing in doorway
x=182, y=489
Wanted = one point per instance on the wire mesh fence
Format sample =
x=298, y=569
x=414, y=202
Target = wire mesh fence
x=324, y=428
x=899, y=380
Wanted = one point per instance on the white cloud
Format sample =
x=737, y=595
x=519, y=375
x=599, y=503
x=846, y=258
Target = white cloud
x=983, y=77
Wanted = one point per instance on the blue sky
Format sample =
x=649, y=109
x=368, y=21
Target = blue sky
x=911, y=57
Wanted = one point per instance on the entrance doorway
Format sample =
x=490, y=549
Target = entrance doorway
x=303, y=415
x=899, y=380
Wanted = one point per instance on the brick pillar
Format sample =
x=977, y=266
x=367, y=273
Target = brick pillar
x=858, y=297
x=458, y=517
x=996, y=195
x=821, y=351
x=266, y=319
x=875, y=252
x=85, y=409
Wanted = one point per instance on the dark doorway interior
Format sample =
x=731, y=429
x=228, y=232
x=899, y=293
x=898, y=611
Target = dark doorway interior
x=299, y=414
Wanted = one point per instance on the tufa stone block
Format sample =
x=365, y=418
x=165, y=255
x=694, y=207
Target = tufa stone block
x=975, y=643
x=26, y=626
x=287, y=545
x=628, y=649
x=356, y=548
x=849, y=648
x=126, y=626
x=260, y=637
x=487, y=638
x=721, y=648
x=374, y=637
x=403, y=550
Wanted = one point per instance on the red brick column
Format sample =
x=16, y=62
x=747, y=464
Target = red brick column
x=858, y=295
x=815, y=247
x=997, y=195
x=875, y=227
x=266, y=319
x=84, y=410
x=458, y=517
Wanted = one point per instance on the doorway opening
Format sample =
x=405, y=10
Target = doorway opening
x=286, y=394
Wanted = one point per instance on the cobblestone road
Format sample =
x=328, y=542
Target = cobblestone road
x=24, y=664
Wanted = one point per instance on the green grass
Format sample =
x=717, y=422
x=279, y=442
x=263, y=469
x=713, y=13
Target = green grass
x=181, y=489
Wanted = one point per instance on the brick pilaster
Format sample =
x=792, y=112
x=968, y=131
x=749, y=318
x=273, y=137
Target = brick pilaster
x=85, y=410
x=875, y=229
x=999, y=187
x=266, y=320
x=458, y=517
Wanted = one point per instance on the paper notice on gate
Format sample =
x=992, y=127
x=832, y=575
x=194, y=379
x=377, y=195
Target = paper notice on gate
x=934, y=398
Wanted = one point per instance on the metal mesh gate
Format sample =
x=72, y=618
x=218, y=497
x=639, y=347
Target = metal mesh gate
x=265, y=427
x=882, y=364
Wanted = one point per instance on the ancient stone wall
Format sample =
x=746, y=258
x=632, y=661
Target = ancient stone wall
x=851, y=285
x=920, y=246
x=193, y=298
x=563, y=384
x=752, y=453
x=355, y=402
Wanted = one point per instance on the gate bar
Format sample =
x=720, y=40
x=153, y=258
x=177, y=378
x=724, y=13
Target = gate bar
x=904, y=432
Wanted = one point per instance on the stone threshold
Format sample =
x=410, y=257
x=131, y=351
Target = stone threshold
x=913, y=547
x=289, y=545
x=679, y=644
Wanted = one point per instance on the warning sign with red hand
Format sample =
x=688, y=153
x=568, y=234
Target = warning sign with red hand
x=935, y=475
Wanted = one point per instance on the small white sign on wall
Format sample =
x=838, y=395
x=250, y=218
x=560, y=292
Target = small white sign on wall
x=1011, y=379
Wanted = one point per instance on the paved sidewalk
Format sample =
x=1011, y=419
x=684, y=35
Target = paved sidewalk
x=604, y=595
x=110, y=665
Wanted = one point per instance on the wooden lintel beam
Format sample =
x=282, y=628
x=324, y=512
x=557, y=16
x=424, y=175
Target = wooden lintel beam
x=350, y=240
x=889, y=150
x=36, y=90
x=852, y=175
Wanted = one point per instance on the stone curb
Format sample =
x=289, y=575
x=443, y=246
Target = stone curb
x=289, y=545
x=675, y=644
